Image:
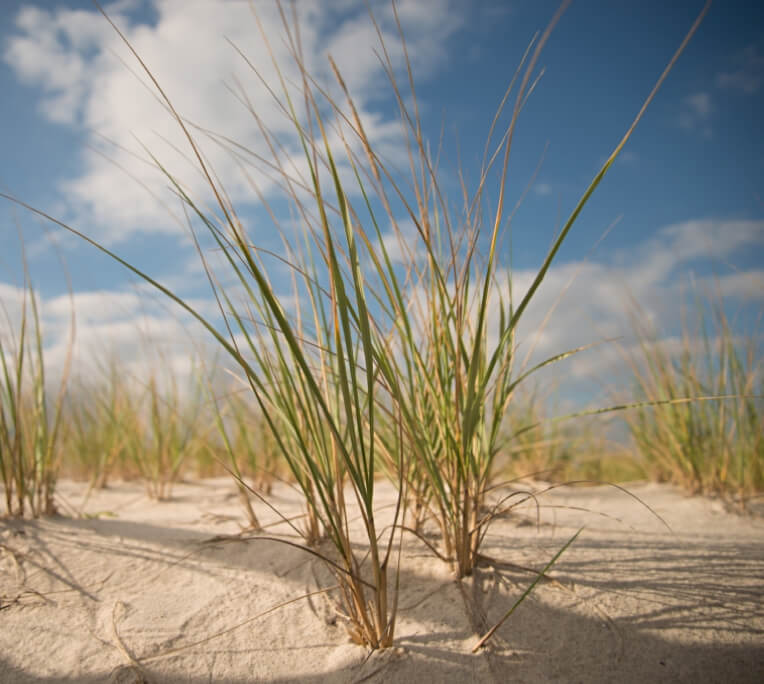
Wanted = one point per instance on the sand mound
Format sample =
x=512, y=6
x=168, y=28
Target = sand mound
x=139, y=589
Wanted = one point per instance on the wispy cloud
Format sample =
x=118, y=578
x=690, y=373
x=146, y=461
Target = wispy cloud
x=700, y=104
x=696, y=113
x=746, y=73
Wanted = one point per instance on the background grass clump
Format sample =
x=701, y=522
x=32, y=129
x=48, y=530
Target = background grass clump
x=30, y=412
x=714, y=446
x=151, y=426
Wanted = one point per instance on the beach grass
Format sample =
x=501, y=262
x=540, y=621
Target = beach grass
x=96, y=426
x=30, y=412
x=371, y=365
x=148, y=427
x=715, y=446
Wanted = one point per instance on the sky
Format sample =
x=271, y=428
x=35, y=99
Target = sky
x=681, y=211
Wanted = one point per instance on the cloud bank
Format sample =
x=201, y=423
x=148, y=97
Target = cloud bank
x=90, y=81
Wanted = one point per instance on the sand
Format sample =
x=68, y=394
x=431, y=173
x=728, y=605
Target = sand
x=131, y=591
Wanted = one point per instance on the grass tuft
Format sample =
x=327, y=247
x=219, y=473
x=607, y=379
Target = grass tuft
x=714, y=446
x=30, y=418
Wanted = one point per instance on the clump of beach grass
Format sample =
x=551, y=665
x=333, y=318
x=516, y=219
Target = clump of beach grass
x=148, y=425
x=168, y=430
x=247, y=444
x=536, y=446
x=30, y=416
x=715, y=446
x=451, y=360
x=373, y=362
x=323, y=392
x=95, y=440
x=95, y=431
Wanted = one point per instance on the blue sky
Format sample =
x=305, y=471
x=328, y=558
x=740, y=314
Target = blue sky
x=687, y=192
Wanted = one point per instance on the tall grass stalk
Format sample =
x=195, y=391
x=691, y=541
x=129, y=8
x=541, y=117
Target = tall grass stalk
x=240, y=449
x=253, y=444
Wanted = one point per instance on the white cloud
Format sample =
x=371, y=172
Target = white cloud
x=138, y=331
x=747, y=285
x=696, y=113
x=97, y=305
x=700, y=104
x=542, y=189
x=747, y=73
x=680, y=244
x=402, y=242
x=594, y=301
x=48, y=52
x=88, y=79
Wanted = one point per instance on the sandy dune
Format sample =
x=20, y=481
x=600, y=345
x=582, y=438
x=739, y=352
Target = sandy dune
x=83, y=600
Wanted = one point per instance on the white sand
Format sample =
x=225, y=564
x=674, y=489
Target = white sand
x=81, y=599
